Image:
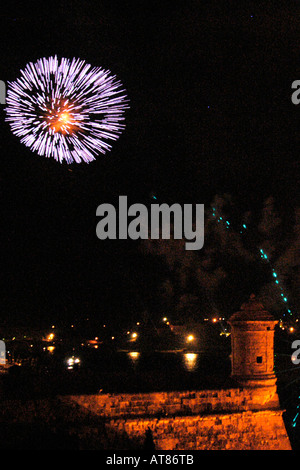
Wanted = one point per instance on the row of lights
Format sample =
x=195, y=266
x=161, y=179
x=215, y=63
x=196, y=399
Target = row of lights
x=134, y=335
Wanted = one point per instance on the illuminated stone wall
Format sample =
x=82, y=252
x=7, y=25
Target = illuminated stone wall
x=195, y=420
x=262, y=430
x=176, y=402
x=209, y=419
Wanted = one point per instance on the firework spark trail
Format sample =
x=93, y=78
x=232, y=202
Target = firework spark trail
x=263, y=255
x=66, y=110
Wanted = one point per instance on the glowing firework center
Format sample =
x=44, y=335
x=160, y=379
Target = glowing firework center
x=66, y=110
x=60, y=118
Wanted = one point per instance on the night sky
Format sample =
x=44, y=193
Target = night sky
x=209, y=85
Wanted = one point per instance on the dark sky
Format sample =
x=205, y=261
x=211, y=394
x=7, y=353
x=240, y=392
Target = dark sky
x=209, y=85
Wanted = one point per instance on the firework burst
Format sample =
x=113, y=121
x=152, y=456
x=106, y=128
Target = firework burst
x=66, y=109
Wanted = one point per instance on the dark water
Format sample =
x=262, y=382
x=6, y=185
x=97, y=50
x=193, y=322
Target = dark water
x=164, y=370
x=88, y=371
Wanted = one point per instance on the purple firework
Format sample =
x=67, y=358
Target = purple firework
x=67, y=110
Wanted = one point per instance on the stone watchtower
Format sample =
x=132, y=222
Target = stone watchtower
x=252, y=349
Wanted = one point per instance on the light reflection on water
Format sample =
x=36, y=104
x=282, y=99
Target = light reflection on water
x=134, y=356
x=189, y=361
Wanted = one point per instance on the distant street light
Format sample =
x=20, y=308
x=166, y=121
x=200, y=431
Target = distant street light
x=190, y=338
